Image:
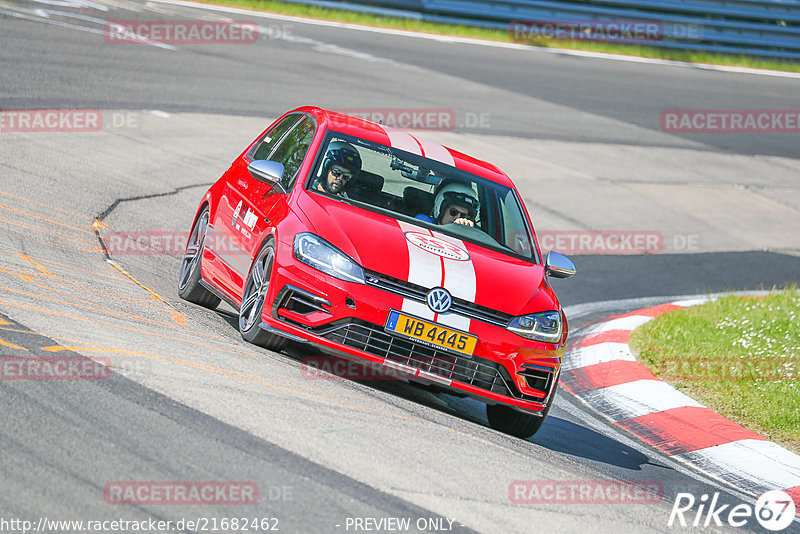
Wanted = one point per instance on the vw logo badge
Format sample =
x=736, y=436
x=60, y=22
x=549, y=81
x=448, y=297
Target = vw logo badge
x=439, y=299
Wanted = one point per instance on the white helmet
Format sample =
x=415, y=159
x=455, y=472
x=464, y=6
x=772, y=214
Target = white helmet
x=455, y=193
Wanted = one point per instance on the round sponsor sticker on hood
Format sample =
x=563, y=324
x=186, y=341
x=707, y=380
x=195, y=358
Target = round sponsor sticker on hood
x=437, y=246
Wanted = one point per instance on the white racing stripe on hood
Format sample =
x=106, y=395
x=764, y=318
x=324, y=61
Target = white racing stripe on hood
x=436, y=152
x=460, y=281
x=424, y=269
x=402, y=140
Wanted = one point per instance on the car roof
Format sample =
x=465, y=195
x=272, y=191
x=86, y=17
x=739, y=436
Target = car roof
x=403, y=140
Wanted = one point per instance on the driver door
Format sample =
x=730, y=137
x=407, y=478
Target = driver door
x=253, y=206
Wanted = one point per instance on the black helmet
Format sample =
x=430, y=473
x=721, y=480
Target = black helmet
x=341, y=153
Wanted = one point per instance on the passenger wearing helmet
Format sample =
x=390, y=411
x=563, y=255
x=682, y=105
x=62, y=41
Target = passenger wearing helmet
x=455, y=202
x=341, y=166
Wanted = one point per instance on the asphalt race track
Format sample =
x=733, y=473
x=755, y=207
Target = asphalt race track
x=188, y=400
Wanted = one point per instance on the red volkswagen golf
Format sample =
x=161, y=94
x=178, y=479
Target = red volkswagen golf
x=379, y=245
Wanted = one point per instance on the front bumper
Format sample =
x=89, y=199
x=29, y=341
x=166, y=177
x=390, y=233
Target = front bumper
x=349, y=318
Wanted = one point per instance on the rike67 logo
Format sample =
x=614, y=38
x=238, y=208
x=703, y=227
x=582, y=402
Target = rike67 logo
x=774, y=511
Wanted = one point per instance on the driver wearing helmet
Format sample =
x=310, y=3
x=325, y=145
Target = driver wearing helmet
x=455, y=202
x=340, y=167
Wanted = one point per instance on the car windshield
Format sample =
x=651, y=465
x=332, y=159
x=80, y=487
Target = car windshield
x=424, y=192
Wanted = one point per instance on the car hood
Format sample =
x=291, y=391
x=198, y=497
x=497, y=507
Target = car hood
x=413, y=253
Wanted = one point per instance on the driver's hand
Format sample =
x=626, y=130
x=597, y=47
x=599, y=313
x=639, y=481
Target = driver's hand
x=464, y=221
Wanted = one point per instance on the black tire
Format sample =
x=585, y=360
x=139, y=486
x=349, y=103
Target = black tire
x=507, y=420
x=189, y=287
x=254, y=300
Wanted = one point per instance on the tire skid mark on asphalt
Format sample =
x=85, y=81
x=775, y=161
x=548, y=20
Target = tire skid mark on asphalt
x=65, y=281
x=40, y=272
x=103, y=309
x=78, y=346
x=50, y=277
x=55, y=244
x=30, y=214
x=59, y=348
x=35, y=261
x=261, y=381
x=46, y=219
x=58, y=280
x=48, y=232
x=130, y=328
x=44, y=274
x=45, y=205
x=39, y=267
x=25, y=275
x=176, y=316
x=99, y=347
x=11, y=345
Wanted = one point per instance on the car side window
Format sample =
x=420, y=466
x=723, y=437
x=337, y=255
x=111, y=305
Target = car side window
x=292, y=150
x=271, y=138
x=515, y=230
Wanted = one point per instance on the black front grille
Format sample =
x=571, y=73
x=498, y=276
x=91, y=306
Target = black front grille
x=419, y=293
x=472, y=370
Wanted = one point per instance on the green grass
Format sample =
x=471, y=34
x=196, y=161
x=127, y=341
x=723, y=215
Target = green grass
x=738, y=356
x=300, y=10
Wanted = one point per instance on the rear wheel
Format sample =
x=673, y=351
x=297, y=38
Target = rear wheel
x=513, y=422
x=189, y=287
x=254, y=299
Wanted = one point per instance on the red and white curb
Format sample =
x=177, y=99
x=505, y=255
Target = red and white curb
x=601, y=370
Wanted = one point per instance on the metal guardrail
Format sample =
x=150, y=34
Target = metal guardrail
x=765, y=28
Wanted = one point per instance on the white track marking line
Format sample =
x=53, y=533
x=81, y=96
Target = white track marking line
x=80, y=4
x=493, y=44
x=61, y=24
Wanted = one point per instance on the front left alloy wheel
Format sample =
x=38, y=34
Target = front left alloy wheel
x=254, y=299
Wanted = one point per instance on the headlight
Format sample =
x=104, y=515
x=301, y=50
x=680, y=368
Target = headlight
x=319, y=254
x=543, y=326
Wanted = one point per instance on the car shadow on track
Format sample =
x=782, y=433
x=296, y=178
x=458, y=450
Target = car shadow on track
x=557, y=434
x=576, y=440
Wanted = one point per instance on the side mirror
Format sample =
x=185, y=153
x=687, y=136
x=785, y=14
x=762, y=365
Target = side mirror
x=267, y=171
x=558, y=266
